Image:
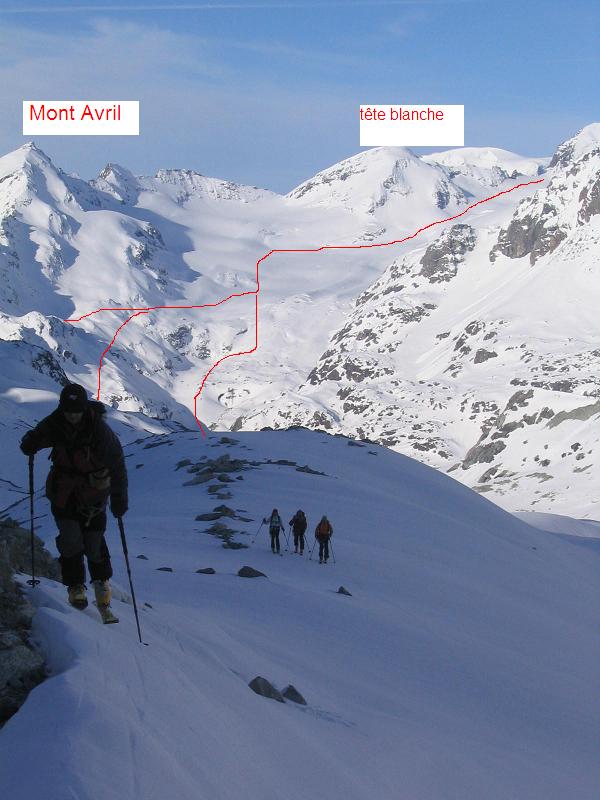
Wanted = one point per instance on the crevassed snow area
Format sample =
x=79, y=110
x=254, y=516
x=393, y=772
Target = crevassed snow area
x=464, y=665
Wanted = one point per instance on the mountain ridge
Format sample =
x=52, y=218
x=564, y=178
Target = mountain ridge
x=185, y=239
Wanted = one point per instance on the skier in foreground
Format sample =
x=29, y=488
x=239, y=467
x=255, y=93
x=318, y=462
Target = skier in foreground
x=87, y=468
x=298, y=523
x=323, y=533
x=275, y=526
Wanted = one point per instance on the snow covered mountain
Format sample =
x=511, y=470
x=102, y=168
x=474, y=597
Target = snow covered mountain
x=455, y=346
x=491, y=166
x=462, y=665
x=478, y=350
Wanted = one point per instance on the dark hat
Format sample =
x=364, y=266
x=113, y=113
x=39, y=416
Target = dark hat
x=73, y=399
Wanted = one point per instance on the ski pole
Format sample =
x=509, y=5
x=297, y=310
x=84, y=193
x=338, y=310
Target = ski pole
x=257, y=532
x=312, y=548
x=332, y=553
x=287, y=538
x=126, y=554
x=33, y=581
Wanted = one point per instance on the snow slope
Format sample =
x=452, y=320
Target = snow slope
x=586, y=528
x=464, y=665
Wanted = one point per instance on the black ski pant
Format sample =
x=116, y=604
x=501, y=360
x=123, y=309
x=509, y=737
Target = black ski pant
x=275, y=539
x=80, y=535
x=299, y=541
x=323, y=548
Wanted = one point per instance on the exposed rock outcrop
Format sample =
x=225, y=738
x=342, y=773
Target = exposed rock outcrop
x=442, y=257
x=250, y=572
x=21, y=665
x=265, y=688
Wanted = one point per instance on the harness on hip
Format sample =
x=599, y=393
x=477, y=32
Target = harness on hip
x=89, y=512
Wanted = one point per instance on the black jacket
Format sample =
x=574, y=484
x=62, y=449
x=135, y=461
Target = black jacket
x=79, y=454
x=298, y=523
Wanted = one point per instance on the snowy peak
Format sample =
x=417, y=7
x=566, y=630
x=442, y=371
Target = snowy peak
x=382, y=176
x=184, y=184
x=26, y=155
x=491, y=166
x=179, y=185
x=488, y=158
x=29, y=173
x=40, y=212
x=585, y=143
x=568, y=199
x=118, y=182
x=365, y=172
x=26, y=171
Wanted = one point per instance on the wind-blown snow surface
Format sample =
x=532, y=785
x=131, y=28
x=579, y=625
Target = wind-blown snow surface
x=463, y=666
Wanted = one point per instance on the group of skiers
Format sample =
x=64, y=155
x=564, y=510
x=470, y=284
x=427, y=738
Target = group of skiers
x=88, y=469
x=299, y=524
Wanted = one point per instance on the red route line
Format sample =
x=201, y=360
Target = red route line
x=255, y=292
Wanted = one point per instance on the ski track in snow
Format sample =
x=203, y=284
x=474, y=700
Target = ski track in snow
x=256, y=292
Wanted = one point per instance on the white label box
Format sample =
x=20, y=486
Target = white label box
x=394, y=125
x=81, y=118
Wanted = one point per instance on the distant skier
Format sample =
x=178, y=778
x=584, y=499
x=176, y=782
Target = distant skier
x=298, y=523
x=275, y=526
x=87, y=468
x=323, y=533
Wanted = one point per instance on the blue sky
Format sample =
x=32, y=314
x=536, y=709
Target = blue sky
x=267, y=92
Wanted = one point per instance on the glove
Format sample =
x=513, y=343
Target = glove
x=27, y=446
x=118, y=505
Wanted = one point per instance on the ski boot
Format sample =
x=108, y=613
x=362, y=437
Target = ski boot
x=77, y=596
x=102, y=591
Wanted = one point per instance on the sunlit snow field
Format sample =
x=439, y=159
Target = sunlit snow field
x=464, y=665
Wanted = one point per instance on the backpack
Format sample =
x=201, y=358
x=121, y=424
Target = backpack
x=275, y=522
x=299, y=523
